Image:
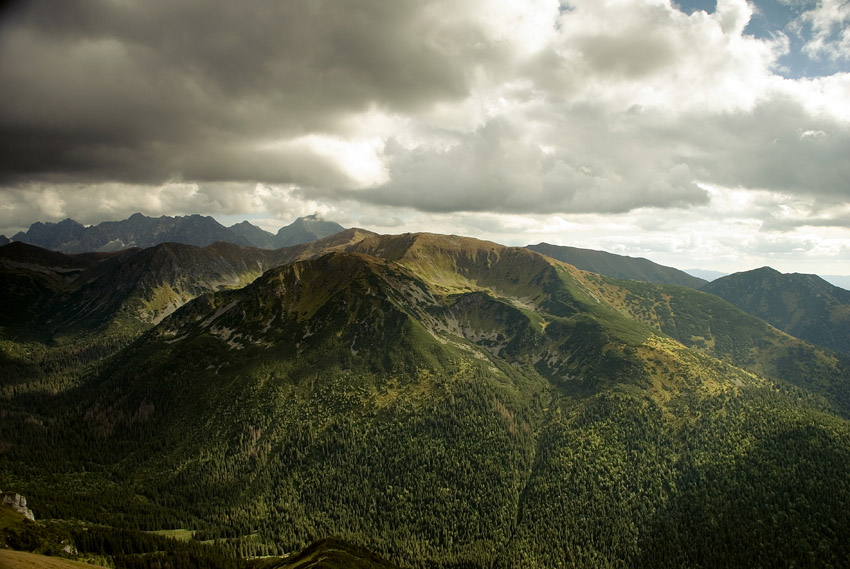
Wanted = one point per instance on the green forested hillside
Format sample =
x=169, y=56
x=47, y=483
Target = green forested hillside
x=447, y=402
x=805, y=306
x=63, y=315
x=712, y=326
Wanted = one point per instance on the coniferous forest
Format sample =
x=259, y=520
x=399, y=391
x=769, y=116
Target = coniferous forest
x=423, y=400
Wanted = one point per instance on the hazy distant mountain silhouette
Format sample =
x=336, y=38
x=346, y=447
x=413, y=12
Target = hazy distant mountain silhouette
x=138, y=230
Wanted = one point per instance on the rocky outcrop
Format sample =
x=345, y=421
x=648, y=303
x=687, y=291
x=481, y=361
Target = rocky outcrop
x=17, y=503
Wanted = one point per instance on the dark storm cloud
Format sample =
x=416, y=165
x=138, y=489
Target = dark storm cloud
x=154, y=90
x=497, y=168
x=777, y=146
x=514, y=107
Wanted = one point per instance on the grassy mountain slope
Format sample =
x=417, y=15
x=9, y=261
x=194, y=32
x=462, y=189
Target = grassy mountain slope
x=699, y=321
x=712, y=326
x=805, y=306
x=62, y=314
x=10, y=559
x=65, y=313
x=618, y=266
x=50, y=293
x=452, y=402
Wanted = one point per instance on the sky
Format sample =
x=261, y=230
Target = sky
x=699, y=134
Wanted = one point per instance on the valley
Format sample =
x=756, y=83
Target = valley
x=440, y=401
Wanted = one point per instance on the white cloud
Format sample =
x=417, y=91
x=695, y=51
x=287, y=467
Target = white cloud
x=830, y=23
x=826, y=98
x=648, y=54
x=505, y=119
x=728, y=233
x=91, y=204
x=356, y=163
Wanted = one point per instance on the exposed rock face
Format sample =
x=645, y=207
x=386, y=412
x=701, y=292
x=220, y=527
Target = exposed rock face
x=17, y=503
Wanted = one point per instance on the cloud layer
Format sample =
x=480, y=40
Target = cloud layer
x=386, y=109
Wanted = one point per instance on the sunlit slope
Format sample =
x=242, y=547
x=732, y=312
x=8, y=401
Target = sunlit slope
x=449, y=401
x=710, y=325
x=10, y=559
x=328, y=386
x=615, y=310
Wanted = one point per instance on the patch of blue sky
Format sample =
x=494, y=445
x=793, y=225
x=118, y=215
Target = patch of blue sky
x=773, y=17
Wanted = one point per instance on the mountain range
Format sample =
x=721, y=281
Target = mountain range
x=440, y=400
x=69, y=236
x=51, y=294
x=140, y=231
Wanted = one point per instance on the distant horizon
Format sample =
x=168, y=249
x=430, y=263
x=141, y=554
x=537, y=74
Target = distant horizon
x=701, y=133
x=842, y=281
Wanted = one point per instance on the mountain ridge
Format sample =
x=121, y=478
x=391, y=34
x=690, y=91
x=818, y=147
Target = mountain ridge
x=618, y=266
x=803, y=305
x=69, y=236
x=156, y=280
x=447, y=401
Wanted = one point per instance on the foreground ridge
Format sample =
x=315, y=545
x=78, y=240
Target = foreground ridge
x=443, y=401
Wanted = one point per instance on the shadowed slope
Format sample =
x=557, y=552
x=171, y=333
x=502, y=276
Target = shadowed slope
x=329, y=553
x=805, y=306
x=452, y=402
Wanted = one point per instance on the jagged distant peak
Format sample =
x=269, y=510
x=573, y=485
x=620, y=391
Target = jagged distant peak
x=310, y=220
x=138, y=230
x=306, y=229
